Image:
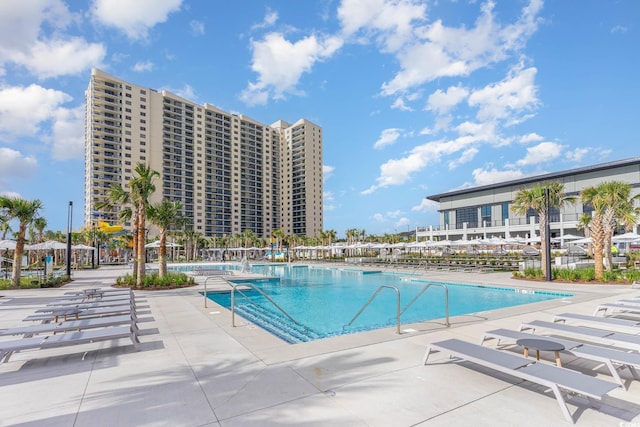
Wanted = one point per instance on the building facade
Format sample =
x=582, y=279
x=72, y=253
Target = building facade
x=230, y=172
x=485, y=211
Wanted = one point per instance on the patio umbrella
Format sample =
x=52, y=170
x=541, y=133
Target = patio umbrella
x=8, y=244
x=49, y=244
x=626, y=237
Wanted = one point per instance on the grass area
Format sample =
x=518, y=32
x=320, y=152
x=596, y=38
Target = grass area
x=35, y=282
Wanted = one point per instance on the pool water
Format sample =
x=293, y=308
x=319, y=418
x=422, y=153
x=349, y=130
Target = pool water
x=323, y=300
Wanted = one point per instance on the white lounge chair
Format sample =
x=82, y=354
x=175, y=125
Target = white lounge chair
x=7, y=348
x=602, y=321
x=82, y=313
x=613, y=306
x=557, y=379
x=72, y=325
x=615, y=360
x=615, y=338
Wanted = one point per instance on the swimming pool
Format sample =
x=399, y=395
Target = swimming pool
x=324, y=300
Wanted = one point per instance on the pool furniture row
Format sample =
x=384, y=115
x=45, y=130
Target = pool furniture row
x=78, y=318
x=616, y=350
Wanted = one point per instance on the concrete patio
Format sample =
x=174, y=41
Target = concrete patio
x=195, y=369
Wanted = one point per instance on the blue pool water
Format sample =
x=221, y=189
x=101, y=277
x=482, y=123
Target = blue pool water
x=324, y=300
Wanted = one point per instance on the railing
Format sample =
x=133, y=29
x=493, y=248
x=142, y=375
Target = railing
x=233, y=297
x=398, y=312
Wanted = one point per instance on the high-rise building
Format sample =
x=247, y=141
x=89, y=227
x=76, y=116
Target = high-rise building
x=230, y=173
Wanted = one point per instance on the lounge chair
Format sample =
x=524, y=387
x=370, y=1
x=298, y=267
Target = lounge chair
x=603, y=321
x=75, y=301
x=625, y=308
x=72, y=325
x=7, y=348
x=616, y=338
x=82, y=313
x=557, y=379
x=85, y=305
x=615, y=360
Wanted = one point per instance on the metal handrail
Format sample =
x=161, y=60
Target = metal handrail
x=423, y=290
x=233, y=297
x=371, y=299
x=399, y=313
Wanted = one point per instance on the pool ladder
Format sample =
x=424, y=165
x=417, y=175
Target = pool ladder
x=399, y=313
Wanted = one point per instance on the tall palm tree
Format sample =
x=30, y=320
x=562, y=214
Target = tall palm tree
x=25, y=211
x=164, y=215
x=612, y=203
x=119, y=201
x=142, y=188
x=535, y=198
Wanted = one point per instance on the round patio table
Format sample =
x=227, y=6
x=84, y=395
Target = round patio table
x=538, y=344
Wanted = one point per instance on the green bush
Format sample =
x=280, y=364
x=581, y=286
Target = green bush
x=154, y=281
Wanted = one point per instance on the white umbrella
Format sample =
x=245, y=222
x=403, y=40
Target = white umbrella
x=83, y=247
x=156, y=244
x=8, y=244
x=584, y=241
x=49, y=244
x=571, y=237
x=626, y=237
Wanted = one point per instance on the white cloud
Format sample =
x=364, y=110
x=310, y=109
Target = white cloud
x=577, y=154
x=196, y=28
x=426, y=205
x=327, y=172
x=442, y=102
x=15, y=165
x=378, y=217
x=543, y=152
x=466, y=157
x=20, y=42
x=399, y=104
x=389, y=21
x=328, y=201
x=492, y=176
x=441, y=51
x=530, y=137
x=508, y=98
x=387, y=137
x=134, y=18
x=281, y=63
x=68, y=133
x=269, y=20
x=141, y=66
x=398, y=171
x=24, y=109
x=619, y=29
x=394, y=214
x=402, y=222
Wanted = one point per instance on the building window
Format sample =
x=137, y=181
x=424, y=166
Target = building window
x=505, y=211
x=485, y=212
x=468, y=215
x=446, y=218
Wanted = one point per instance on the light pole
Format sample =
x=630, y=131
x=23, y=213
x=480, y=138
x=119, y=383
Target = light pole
x=547, y=237
x=69, y=225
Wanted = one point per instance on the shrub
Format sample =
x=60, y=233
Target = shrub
x=154, y=281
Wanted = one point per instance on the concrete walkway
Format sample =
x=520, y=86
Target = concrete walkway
x=194, y=369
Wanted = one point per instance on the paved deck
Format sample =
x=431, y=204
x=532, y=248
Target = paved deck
x=194, y=369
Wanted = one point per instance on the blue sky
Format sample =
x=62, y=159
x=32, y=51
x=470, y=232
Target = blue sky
x=415, y=97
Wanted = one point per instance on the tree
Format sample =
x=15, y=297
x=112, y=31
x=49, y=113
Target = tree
x=142, y=188
x=25, y=211
x=164, y=215
x=612, y=203
x=535, y=198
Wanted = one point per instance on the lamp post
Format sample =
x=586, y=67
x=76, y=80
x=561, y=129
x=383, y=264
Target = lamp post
x=547, y=237
x=69, y=225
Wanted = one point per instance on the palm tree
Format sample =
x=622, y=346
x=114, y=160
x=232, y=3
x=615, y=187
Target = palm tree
x=535, y=198
x=165, y=215
x=142, y=188
x=612, y=203
x=25, y=211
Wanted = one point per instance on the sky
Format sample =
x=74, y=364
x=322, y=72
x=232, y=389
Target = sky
x=415, y=98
